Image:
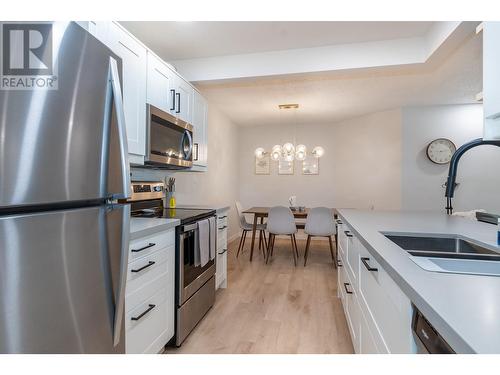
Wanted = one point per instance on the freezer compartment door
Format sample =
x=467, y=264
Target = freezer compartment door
x=62, y=281
x=69, y=143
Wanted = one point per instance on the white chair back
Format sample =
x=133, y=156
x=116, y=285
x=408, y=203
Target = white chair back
x=320, y=222
x=281, y=221
x=243, y=221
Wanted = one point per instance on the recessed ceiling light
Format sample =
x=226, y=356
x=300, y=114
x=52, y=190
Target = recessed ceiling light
x=288, y=106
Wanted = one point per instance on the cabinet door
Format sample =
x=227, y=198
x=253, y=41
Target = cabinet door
x=491, y=77
x=133, y=56
x=183, y=99
x=367, y=344
x=200, y=116
x=160, y=84
x=98, y=29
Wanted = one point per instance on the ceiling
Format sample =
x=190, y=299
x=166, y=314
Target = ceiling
x=189, y=40
x=332, y=97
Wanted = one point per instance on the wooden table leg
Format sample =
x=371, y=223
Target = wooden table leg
x=255, y=217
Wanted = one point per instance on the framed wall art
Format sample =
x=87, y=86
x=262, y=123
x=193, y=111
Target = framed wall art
x=263, y=165
x=285, y=167
x=310, y=166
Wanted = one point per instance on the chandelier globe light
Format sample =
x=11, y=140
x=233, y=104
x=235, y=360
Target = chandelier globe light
x=318, y=151
x=289, y=151
x=300, y=152
x=288, y=148
x=276, y=152
x=259, y=152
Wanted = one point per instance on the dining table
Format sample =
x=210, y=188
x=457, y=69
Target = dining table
x=259, y=213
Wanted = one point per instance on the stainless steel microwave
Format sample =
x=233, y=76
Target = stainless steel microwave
x=169, y=140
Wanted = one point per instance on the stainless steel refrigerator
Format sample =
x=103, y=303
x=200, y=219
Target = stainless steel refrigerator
x=63, y=237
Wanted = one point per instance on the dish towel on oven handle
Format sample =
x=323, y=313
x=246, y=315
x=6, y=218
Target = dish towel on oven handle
x=213, y=236
x=197, y=256
x=204, y=241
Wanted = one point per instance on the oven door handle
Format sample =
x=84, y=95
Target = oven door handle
x=189, y=228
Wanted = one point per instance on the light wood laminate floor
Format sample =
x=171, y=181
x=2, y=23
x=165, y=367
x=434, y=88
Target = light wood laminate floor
x=275, y=308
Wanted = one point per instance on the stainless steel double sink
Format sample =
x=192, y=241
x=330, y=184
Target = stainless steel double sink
x=449, y=254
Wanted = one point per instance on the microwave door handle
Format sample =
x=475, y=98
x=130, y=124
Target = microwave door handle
x=190, y=140
x=114, y=78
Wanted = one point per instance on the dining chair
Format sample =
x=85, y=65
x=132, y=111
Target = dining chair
x=320, y=223
x=280, y=221
x=246, y=227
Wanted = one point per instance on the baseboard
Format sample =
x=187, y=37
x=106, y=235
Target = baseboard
x=234, y=237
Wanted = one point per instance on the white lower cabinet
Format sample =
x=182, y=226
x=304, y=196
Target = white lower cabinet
x=221, y=261
x=378, y=313
x=149, y=299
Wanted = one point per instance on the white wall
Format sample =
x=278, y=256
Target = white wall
x=219, y=185
x=478, y=171
x=361, y=167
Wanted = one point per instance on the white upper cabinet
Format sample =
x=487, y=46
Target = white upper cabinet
x=183, y=95
x=134, y=66
x=491, y=79
x=160, y=85
x=200, y=129
x=148, y=79
x=98, y=29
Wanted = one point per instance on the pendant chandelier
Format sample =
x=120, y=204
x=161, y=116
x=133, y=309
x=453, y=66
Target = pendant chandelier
x=288, y=151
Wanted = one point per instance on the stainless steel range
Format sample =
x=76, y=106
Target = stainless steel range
x=194, y=284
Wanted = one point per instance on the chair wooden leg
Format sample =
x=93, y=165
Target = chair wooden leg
x=294, y=251
x=306, y=253
x=270, y=245
x=331, y=251
x=262, y=234
x=243, y=244
x=271, y=241
x=261, y=240
x=241, y=241
x=265, y=239
x=296, y=247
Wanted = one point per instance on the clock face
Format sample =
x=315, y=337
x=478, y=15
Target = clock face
x=441, y=150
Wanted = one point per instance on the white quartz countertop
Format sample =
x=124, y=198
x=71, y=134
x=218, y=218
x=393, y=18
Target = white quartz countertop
x=464, y=309
x=218, y=209
x=141, y=227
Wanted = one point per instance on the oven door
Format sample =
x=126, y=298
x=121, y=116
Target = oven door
x=170, y=140
x=191, y=277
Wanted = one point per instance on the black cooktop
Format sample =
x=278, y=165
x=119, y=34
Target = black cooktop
x=185, y=215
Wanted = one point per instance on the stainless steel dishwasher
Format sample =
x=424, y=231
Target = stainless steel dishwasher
x=428, y=340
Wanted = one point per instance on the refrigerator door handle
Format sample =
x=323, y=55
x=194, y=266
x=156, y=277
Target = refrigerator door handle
x=122, y=129
x=120, y=300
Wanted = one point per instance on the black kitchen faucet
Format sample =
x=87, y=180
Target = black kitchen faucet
x=452, y=173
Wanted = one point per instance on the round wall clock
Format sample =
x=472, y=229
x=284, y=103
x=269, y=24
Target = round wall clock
x=441, y=150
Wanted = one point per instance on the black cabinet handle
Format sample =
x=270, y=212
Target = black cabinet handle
x=347, y=290
x=144, y=267
x=143, y=248
x=368, y=267
x=224, y=251
x=173, y=99
x=224, y=227
x=178, y=94
x=339, y=222
x=347, y=233
x=151, y=307
x=339, y=263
